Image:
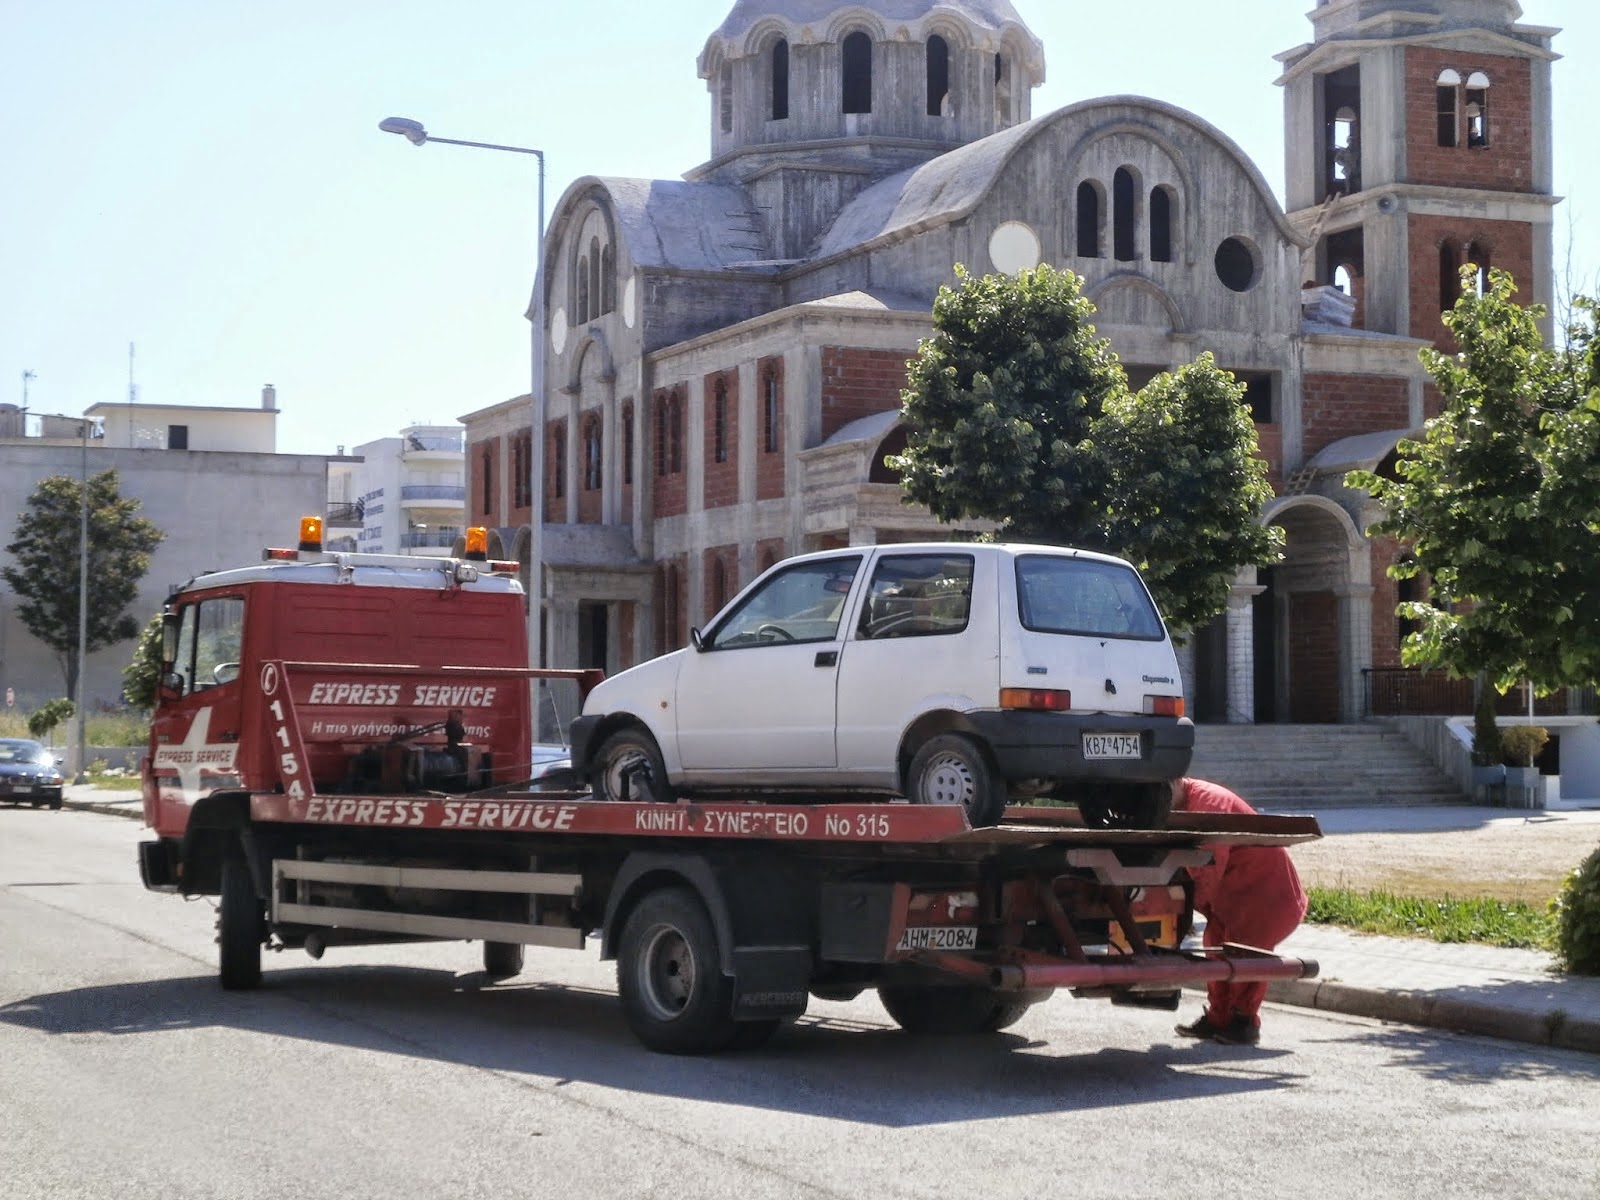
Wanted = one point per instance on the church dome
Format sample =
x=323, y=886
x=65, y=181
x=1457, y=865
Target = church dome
x=925, y=75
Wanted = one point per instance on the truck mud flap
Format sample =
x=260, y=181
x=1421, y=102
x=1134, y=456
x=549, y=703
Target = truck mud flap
x=770, y=981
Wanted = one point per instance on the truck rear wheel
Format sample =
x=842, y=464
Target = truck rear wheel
x=241, y=926
x=669, y=976
x=949, y=1011
x=629, y=766
x=502, y=960
x=952, y=769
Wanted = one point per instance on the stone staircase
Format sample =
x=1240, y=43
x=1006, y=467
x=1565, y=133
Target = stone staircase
x=1289, y=768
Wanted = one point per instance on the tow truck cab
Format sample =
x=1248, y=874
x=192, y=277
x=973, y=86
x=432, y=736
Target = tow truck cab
x=419, y=680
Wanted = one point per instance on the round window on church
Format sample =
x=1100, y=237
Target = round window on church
x=1237, y=266
x=1014, y=247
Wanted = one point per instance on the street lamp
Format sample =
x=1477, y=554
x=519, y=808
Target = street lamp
x=415, y=133
x=82, y=775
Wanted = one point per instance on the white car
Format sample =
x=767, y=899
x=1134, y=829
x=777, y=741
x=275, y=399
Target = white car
x=945, y=673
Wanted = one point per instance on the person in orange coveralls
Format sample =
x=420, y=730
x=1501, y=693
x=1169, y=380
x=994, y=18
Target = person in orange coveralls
x=1249, y=895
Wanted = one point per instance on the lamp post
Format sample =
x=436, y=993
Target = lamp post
x=417, y=135
x=82, y=775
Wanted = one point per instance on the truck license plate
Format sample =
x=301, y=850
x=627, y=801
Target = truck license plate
x=939, y=937
x=1111, y=745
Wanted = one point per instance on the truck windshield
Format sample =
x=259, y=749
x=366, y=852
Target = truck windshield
x=1084, y=596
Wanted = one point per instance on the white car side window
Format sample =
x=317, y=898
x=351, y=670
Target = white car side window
x=802, y=604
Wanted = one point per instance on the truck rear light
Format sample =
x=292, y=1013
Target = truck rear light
x=1163, y=706
x=280, y=555
x=499, y=567
x=1037, y=699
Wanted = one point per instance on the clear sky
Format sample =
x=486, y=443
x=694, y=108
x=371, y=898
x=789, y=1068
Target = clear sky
x=207, y=179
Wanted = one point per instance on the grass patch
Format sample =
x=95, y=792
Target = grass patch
x=1492, y=922
x=105, y=729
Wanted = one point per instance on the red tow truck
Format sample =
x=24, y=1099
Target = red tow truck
x=341, y=755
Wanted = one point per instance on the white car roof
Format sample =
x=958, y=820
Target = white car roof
x=980, y=549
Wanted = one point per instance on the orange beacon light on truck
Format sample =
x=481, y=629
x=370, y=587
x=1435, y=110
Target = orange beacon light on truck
x=311, y=534
x=477, y=544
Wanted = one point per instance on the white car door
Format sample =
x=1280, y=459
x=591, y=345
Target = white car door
x=757, y=702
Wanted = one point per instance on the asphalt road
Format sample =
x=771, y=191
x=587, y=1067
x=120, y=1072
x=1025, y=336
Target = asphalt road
x=395, y=1072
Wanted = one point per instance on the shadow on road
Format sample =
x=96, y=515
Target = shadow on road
x=845, y=1069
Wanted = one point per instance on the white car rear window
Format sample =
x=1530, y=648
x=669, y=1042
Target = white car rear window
x=1086, y=597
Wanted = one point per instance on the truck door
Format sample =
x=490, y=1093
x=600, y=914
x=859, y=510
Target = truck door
x=194, y=734
x=760, y=694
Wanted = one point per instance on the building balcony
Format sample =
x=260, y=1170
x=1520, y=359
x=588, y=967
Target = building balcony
x=433, y=495
x=431, y=539
x=423, y=446
x=343, y=515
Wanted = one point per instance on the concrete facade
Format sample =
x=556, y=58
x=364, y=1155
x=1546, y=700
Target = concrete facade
x=405, y=495
x=726, y=352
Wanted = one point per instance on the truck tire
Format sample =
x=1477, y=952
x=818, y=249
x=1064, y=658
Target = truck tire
x=629, y=766
x=669, y=976
x=1127, y=806
x=952, y=769
x=502, y=960
x=951, y=1011
x=241, y=927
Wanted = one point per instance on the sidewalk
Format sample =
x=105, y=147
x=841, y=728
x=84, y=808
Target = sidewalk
x=1469, y=988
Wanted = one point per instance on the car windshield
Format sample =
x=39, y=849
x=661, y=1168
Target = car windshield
x=1084, y=596
x=14, y=751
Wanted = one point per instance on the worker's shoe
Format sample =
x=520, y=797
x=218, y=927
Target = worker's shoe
x=1200, y=1028
x=1240, y=1031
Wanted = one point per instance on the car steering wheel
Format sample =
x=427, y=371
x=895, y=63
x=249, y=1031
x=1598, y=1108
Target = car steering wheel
x=775, y=633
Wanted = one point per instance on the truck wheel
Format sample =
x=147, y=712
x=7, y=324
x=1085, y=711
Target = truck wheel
x=669, y=976
x=952, y=769
x=628, y=766
x=949, y=1011
x=241, y=927
x=1127, y=806
x=502, y=960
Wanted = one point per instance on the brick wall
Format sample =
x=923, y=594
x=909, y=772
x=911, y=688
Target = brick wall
x=721, y=478
x=671, y=488
x=1506, y=163
x=769, y=462
x=1432, y=400
x=1510, y=248
x=727, y=558
x=1269, y=445
x=857, y=383
x=1385, y=595
x=627, y=651
x=769, y=552
x=1313, y=657
x=626, y=466
x=1339, y=406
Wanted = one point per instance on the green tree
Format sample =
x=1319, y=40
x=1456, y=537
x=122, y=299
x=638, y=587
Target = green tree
x=43, y=571
x=141, y=678
x=1500, y=499
x=1020, y=414
x=43, y=720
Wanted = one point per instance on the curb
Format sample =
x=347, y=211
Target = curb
x=1549, y=1027
x=134, y=810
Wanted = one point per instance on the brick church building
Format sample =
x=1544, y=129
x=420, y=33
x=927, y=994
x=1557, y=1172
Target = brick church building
x=724, y=353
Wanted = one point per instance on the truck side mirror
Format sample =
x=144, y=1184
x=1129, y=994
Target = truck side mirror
x=171, y=623
x=171, y=685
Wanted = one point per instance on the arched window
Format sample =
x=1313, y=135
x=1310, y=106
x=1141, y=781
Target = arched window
x=770, y=413
x=725, y=98
x=1161, y=224
x=608, y=280
x=488, y=480
x=1478, y=255
x=583, y=289
x=1346, y=151
x=938, y=75
x=1445, y=91
x=1088, y=220
x=1477, y=109
x=769, y=559
x=1449, y=277
x=1344, y=280
x=664, y=404
x=558, y=468
x=719, y=422
x=592, y=461
x=857, y=73
x=1123, y=194
x=780, y=80
x=1002, y=92
x=594, y=277
x=627, y=445
x=719, y=585
x=675, y=434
